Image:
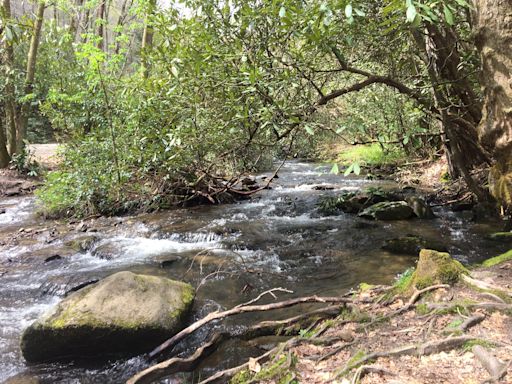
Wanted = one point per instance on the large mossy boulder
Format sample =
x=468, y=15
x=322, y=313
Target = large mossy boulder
x=388, y=210
x=436, y=268
x=122, y=314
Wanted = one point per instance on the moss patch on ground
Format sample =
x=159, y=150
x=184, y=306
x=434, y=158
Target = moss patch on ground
x=498, y=259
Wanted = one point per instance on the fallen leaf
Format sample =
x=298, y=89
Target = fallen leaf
x=254, y=366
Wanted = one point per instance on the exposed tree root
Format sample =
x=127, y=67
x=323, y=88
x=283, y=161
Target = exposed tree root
x=411, y=350
x=485, y=286
x=496, y=369
x=415, y=297
x=331, y=353
x=365, y=369
x=175, y=364
x=243, y=308
x=410, y=304
x=471, y=322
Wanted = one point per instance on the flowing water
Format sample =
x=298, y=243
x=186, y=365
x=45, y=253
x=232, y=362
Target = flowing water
x=230, y=253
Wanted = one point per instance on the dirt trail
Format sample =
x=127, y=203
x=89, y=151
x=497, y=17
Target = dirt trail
x=45, y=154
x=13, y=184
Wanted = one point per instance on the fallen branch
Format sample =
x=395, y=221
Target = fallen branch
x=496, y=369
x=170, y=343
x=175, y=364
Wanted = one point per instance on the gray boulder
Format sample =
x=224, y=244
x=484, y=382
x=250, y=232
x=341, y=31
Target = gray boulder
x=123, y=313
x=388, y=210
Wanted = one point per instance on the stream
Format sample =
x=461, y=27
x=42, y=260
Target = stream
x=230, y=253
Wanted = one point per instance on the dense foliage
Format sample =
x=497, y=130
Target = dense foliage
x=164, y=105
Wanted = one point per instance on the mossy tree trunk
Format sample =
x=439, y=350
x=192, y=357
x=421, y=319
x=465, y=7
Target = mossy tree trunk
x=493, y=24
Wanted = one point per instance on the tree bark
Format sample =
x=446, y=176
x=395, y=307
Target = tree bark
x=100, y=19
x=74, y=22
x=30, y=76
x=10, y=96
x=456, y=101
x=120, y=23
x=493, y=27
x=147, y=38
x=4, y=155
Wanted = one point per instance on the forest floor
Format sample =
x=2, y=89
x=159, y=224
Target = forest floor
x=445, y=335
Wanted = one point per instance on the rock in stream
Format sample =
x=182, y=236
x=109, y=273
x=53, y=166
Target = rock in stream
x=124, y=313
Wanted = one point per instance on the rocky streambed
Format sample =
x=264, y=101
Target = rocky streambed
x=279, y=238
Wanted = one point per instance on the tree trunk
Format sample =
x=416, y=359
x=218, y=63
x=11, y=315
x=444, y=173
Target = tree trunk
x=100, y=20
x=74, y=23
x=493, y=24
x=29, y=79
x=10, y=96
x=4, y=155
x=147, y=38
x=119, y=26
x=456, y=102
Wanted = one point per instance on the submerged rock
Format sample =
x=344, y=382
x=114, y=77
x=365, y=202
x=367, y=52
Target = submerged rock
x=504, y=237
x=420, y=207
x=411, y=245
x=82, y=243
x=124, y=313
x=388, y=210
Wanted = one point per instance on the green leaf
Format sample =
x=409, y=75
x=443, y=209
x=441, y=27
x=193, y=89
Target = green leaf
x=357, y=168
x=349, y=170
x=348, y=11
x=309, y=130
x=448, y=15
x=174, y=71
x=359, y=12
x=411, y=13
x=405, y=140
x=282, y=12
x=335, y=169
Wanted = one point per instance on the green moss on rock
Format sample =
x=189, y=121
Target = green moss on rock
x=123, y=313
x=436, y=268
x=498, y=259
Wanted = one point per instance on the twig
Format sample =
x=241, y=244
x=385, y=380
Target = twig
x=269, y=292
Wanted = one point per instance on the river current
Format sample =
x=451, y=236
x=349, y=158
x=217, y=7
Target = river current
x=230, y=253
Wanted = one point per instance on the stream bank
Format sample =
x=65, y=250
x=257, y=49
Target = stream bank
x=457, y=334
x=229, y=253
